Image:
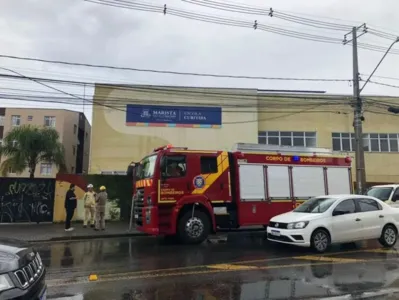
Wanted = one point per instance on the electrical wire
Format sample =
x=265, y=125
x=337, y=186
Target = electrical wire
x=166, y=71
x=134, y=5
x=241, y=8
x=182, y=91
x=245, y=9
x=124, y=110
x=384, y=84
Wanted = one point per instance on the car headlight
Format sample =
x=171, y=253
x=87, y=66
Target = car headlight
x=5, y=282
x=298, y=225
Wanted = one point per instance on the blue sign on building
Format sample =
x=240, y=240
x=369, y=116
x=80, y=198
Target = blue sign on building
x=173, y=116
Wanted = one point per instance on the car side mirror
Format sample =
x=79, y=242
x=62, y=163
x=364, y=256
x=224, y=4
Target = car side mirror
x=395, y=198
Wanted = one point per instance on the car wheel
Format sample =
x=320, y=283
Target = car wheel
x=389, y=236
x=320, y=240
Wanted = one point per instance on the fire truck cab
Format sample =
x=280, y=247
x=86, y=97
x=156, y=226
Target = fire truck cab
x=192, y=193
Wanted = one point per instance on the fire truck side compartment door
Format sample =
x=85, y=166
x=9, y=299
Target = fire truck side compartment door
x=339, y=180
x=252, y=206
x=308, y=181
x=252, y=183
x=278, y=182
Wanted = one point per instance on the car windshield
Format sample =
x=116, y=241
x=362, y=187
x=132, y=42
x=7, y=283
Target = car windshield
x=146, y=168
x=315, y=205
x=381, y=193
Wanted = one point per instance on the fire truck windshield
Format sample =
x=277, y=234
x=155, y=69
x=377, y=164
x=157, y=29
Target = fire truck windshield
x=147, y=167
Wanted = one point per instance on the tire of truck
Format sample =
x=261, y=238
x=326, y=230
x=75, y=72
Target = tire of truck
x=193, y=228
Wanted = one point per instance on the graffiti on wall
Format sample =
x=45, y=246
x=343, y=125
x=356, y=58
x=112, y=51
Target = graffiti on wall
x=26, y=200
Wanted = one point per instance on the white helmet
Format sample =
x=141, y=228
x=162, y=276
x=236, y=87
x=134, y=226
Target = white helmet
x=90, y=186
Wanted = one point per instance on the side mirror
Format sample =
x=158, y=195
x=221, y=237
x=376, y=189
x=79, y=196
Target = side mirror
x=395, y=198
x=130, y=171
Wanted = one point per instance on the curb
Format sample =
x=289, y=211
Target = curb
x=128, y=234
x=88, y=237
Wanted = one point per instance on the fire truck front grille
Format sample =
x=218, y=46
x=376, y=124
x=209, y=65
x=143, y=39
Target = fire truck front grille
x=138, y=207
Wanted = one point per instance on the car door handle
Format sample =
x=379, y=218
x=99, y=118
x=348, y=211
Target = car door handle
x=381, y=216
x=357, y=220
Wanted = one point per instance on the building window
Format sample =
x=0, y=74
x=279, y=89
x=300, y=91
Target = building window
x=30, y=118
x=2, y=120
x=16, y=120
x=46, y=169
x=73, y=150
x=11, y=171
x=372, y=142
x=75, y=129
x=287, y=138
x=49, y=121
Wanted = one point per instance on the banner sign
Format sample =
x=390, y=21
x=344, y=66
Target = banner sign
x=173, y=116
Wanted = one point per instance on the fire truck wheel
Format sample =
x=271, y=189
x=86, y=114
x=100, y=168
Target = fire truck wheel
x=193, y=229
x=320, y=240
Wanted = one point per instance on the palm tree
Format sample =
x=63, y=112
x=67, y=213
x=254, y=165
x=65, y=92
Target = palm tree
x=26, y=146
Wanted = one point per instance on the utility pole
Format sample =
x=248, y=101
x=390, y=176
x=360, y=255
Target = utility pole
x=358, y=119
x=358, y=106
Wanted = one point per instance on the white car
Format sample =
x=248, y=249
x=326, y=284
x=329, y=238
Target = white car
x=325, y=220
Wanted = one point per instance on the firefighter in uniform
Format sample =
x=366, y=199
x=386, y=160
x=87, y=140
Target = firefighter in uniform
x=89, y=201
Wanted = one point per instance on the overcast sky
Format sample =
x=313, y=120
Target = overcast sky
x=78, y=31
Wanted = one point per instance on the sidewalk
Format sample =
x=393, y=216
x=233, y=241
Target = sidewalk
x=32, y=232
x=55, y=232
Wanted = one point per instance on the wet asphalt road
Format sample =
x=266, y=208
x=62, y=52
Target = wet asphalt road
x=246, y=267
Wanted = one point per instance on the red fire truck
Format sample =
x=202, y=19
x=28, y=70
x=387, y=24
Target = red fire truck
x=190, y=193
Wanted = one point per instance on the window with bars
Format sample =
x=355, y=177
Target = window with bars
x=16, y=120
x=49, y=121
x=46, y=169
x=288, y=138
x=372, y=142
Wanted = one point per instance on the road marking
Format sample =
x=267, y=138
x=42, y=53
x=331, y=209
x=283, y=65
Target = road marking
x=98, y=272
x=328, y=258
x=387, y=251
x=134, y=276
x=231, y=267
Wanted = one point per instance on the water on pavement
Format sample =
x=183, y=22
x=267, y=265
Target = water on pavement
x=246, y=267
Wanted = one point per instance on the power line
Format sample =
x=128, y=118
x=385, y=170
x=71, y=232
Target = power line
x=384, y=84
x=245, y=9
x=184, y=91
x=232, y=22
x=110, y=107
x=169, y=72
x=251, y=10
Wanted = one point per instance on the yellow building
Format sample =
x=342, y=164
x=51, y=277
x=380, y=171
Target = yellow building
x=130, y=121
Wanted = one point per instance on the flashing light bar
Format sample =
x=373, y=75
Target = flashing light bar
x=169, y=146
